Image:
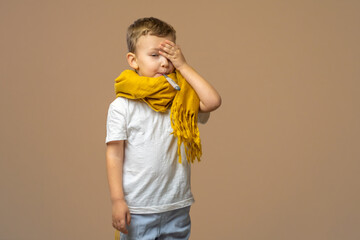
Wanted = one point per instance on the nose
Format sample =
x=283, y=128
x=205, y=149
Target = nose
x=164, y=61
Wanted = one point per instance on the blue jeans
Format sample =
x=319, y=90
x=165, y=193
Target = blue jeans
x=169, y=225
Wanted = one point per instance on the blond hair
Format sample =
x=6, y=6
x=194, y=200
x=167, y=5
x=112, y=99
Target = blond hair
x=145, y=26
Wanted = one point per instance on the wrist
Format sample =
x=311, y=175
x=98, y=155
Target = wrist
x=183, y=67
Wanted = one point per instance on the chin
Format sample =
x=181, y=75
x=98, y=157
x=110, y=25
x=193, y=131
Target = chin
x=158, y=75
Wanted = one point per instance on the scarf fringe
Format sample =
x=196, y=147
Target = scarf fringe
x=184, y=124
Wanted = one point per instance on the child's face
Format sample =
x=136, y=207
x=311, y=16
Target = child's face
x=148, y=61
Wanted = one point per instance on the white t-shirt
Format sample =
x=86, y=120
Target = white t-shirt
x=153, y=179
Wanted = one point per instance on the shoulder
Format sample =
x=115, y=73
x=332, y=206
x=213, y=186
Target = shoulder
x=118, y=107
x=119, y=102
x=129, y=107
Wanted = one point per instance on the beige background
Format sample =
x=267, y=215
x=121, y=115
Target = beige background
x=281, y=156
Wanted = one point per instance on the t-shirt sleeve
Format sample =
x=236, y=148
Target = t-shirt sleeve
x=116, y=121
x=203, y=117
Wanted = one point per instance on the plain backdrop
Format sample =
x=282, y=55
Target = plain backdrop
x=281, y=156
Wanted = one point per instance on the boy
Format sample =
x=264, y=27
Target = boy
x=152, y=135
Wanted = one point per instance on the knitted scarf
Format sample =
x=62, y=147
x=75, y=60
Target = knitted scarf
x=160, y=96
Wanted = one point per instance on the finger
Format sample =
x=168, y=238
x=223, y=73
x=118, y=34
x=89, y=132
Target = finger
x=164, y=54
x=122, y=227
x=128, y=218
x=167, y=48
x=124, y=230
x=167, y=42
x=117, y=226
x=170, y=42
x=168, y=56
x=169, y=45
x=168, y=53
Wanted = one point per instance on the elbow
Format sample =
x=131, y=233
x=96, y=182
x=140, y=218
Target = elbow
x=214, y=104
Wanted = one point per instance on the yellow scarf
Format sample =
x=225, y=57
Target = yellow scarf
x=160, y=96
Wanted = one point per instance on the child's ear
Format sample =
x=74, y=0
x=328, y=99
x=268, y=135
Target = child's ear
x=131, y=58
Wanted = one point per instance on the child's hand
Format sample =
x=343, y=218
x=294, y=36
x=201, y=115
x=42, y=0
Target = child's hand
x=120, y=216
x=172, y=52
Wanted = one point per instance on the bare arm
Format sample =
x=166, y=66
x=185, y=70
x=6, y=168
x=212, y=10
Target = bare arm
x=114, y=163
x=209, y=97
